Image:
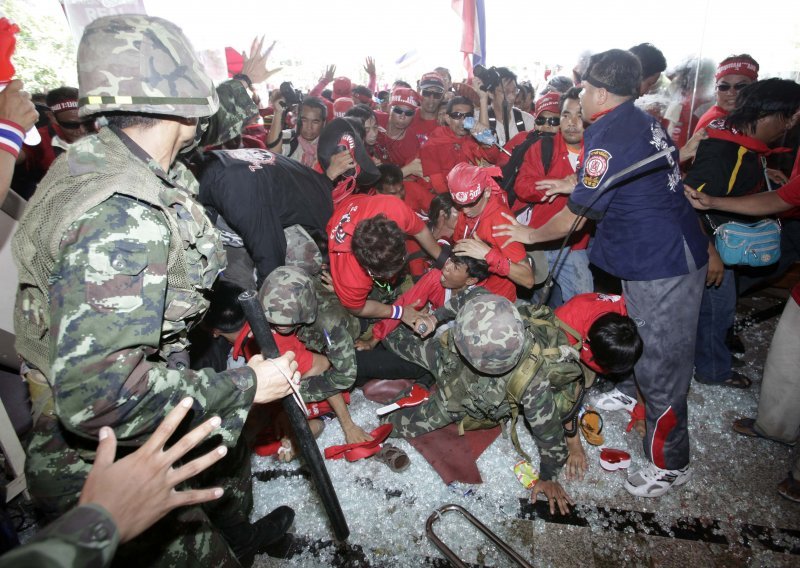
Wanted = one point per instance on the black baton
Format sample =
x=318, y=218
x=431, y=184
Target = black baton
x=308, y=446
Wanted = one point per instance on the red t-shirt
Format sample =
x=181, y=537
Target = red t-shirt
x=422, y=128
x=247, y=346
x=351, y=282
x=428, y=290
x=398, y=152
x=582, y=311
x=444, y=150
x=482, y=227
x=531, y=171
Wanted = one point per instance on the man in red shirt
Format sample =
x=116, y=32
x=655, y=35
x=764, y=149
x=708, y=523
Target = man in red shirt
x=547, y=186
x=451, y=144
x=481, y=204
x=431, y=89
x=398, y=143
x=366, y=245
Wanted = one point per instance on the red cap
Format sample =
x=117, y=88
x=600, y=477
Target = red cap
x=737, y=66
x=341, y=106
x=467, y=182
x=403, y=96
x=342, y=87
x=550, y=101
x=431, y=80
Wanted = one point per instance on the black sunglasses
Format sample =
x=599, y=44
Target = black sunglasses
x=406, y=112
x=435, y=94
x=726, y=87
x=551, y=121
x=460, y=115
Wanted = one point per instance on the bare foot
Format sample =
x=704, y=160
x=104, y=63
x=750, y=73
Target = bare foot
x=576, y=460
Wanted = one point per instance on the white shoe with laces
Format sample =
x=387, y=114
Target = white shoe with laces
x=614, y=400
x=652, y=481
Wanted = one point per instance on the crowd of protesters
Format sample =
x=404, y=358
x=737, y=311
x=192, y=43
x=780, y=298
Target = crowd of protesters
x=397, y=233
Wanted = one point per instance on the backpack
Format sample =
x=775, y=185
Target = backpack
x=511, y=168
x=552, y=358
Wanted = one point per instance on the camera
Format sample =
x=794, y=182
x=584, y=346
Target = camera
x=291, y=96
x=490, y=78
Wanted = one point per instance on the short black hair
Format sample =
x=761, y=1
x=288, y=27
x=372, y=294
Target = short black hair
x=401, y=83
x=360, y=111
x=573, y=93
x=60, y=95
x=476, y=268
x=651, y=58
x=560, y=83
x=761, y=99
x=361, y=90
x=442, y=203
x=459, y=100
x=506, y=73
x=314, y=102
x=225, y=313
x=617, y=71
x=390, y=174
x=327, y=94
x=122, y=120
x=615, y=343
x=379, y=246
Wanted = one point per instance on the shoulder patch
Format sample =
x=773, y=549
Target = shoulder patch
x=595, y=167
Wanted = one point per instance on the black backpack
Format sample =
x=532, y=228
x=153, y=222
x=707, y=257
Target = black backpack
x=511, y=169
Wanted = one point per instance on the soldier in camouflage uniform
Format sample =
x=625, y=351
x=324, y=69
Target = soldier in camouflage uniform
x=114, y=255
x=473, y=363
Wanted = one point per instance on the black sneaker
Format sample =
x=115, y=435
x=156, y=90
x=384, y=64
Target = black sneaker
x=261, y=534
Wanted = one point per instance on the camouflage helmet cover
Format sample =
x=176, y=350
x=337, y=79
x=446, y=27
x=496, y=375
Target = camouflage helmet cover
x=141, y=64
x=490, y=334
x=288, y=298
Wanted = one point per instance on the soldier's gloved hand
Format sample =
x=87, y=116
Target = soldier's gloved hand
x=139, y=489
x=555, y=494
x=274, y=376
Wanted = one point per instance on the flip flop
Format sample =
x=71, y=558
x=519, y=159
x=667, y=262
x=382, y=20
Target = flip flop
x=747, y=427
x=395, y=458
x=789, y=488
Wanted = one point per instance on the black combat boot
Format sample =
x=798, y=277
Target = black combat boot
x=251, y=539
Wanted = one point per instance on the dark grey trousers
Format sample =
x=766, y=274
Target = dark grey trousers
x=666, y=312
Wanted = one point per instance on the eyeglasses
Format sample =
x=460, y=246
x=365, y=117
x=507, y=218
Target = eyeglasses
x=435, y=94
x=722, y=87
x=74, y=125
x=550, y=121
x=404, y=112
x=460, y=115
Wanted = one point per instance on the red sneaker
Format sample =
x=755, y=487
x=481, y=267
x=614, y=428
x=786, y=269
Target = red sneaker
x=612, y=459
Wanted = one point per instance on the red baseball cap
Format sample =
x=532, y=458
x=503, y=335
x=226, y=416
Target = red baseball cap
x=550, y=101
x=341, y=106
x=403, y=96
x=467, y=182
x=342, y=87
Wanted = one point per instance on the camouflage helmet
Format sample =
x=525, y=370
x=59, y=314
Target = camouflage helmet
x=141, y=64
x=288, y=298
x=489, y=334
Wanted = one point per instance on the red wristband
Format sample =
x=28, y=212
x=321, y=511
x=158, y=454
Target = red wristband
x=498, y=264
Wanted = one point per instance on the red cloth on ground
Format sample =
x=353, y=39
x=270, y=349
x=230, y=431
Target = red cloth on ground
x=350, y=281
x=444, y=150
x=582, y=311
x=453, y=456
x=428, y=290
x=482, y=227
x=531, y=171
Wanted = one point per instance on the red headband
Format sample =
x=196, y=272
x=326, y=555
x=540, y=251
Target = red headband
x=64, y=105
x=737, y=67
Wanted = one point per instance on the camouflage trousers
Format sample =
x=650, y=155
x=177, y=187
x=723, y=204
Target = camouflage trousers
x=333, y=333
x=58, y=463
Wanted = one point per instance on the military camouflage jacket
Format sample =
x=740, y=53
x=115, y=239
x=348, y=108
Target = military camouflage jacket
x=82, y=538
x=123, y=285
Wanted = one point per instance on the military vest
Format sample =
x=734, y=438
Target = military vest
x=94, y=169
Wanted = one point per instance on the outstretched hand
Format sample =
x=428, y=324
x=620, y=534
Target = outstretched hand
x=555, y=494
x=369, y=66
x=139, y=489
x=514, y=230
x=330, y=73
x=255, y=64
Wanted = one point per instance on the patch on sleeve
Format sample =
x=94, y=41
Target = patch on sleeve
x=595, y=167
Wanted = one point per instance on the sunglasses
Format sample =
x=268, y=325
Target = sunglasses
x=722, y=87
x=74, y=125
x=550, y=121
x=435, y=94
x=405, y=112
x=460, y=115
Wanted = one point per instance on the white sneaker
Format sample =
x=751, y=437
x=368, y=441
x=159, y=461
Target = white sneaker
x=652, y=481
x=614, y=400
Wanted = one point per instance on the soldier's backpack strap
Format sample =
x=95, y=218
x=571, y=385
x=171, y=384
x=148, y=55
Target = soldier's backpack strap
x=522, y=378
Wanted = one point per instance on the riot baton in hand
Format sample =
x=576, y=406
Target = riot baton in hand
x=308, y=446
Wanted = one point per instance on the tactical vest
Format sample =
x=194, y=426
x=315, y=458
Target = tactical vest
x=490, y=400
x=94, y=169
